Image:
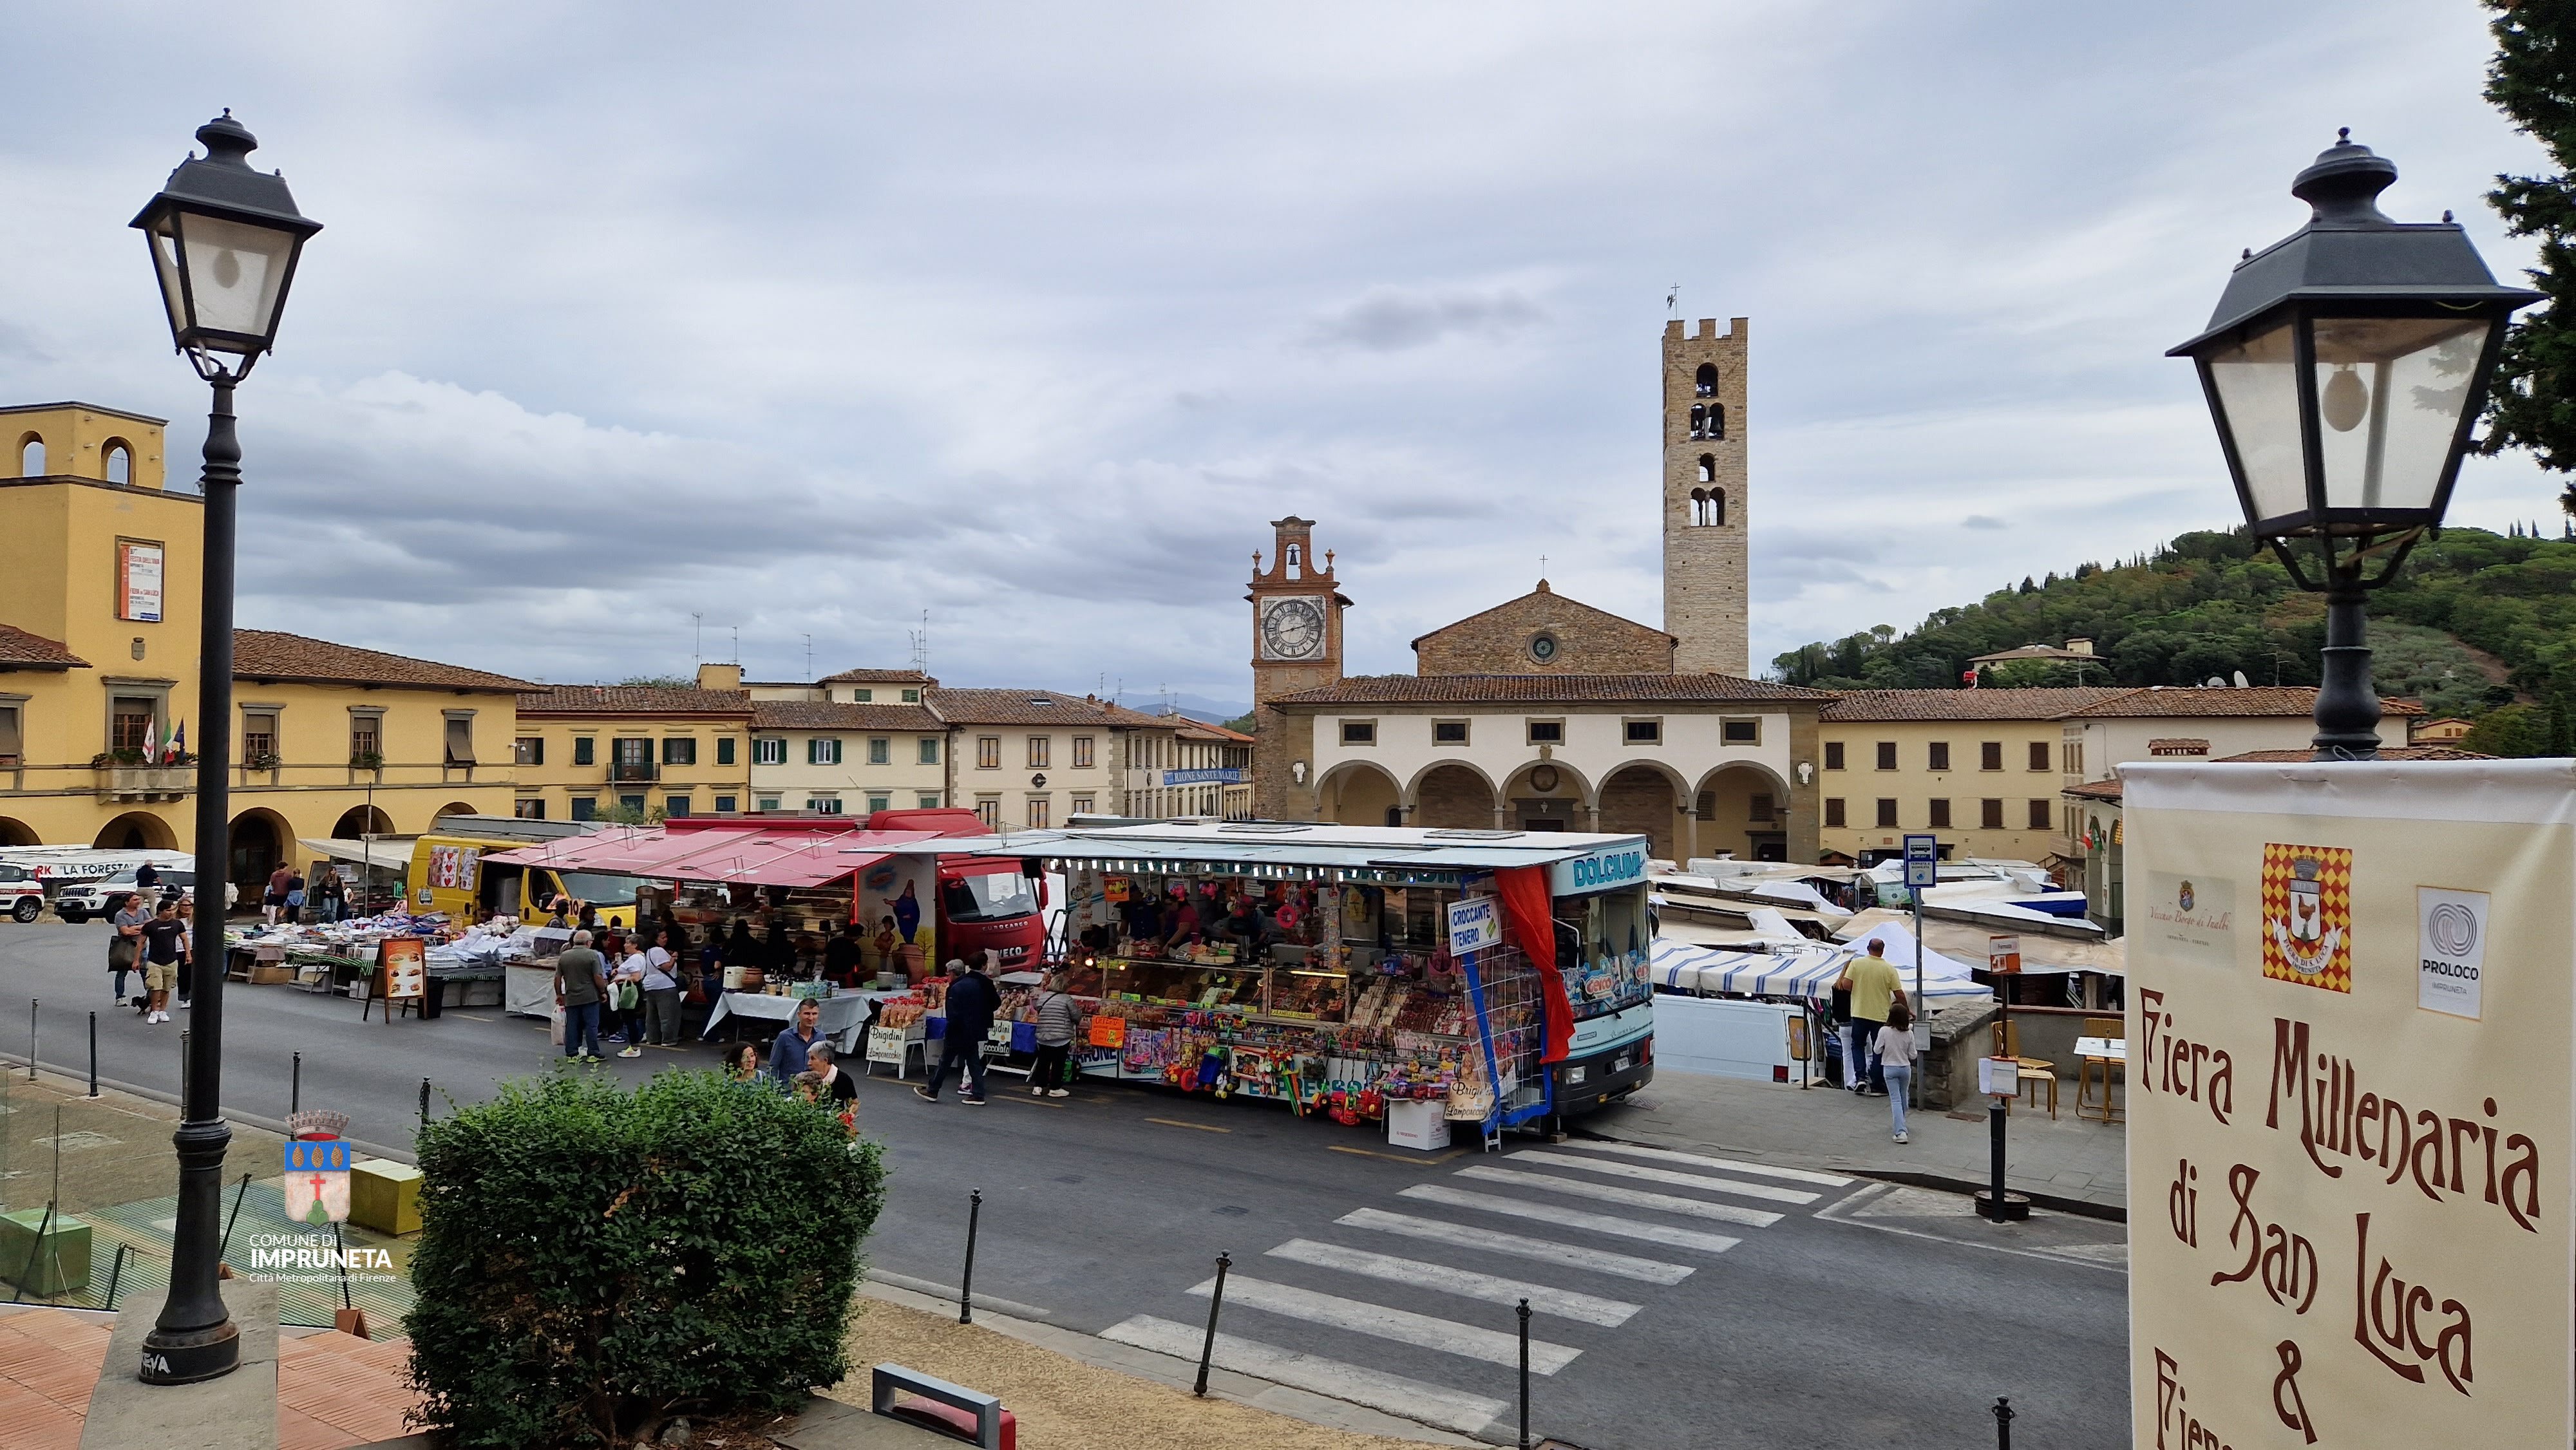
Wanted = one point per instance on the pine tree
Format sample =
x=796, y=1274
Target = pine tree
x=2533, y=80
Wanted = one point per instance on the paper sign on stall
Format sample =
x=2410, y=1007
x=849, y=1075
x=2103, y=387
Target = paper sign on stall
x=1475, y=923
x=2353, y=1204
x=1108, y=1032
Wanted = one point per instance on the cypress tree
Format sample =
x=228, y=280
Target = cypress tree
x=2533, y=80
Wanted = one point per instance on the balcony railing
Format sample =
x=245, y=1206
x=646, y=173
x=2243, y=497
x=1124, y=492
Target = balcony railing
x=144, y=782
x=631, y=770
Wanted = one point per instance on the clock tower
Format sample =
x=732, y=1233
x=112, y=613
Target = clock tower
x=1296, y=645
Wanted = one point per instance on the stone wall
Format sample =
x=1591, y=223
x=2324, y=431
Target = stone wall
x=1585, y=640
x=1455, y=798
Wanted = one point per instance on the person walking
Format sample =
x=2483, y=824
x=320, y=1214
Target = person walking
x=1874, y=987
x=188, y=955
x=125, y=948
x=165, y=945
x=1058, y=1018
x=581, y=980
x=972, y=1001
x=661, y=992
x=1896, y=1061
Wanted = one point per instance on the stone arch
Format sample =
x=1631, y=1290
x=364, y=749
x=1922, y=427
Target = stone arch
x=1452, y=795
x=14, y=832
x=116, y=461
x=1359, y=793
x=452, y=808
x=1566, y=806
x=261, y=841
x=1644, y=797
x=137, y=831
x=31, y=455
x=1727, y=796
x=359, y=822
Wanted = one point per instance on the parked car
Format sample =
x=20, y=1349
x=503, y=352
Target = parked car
x=82, y=900
x=21, y=894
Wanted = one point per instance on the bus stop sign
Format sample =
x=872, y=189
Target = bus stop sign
x=1922, y=862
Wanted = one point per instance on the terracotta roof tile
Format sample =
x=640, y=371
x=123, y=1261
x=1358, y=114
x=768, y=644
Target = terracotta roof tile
x=2386, y=752
x=2095, y=790
x=632, y=700
x=819, y=715
x=1578, y=607
x=1677, y=689
x=1026, y=707
x=1902, y=705
x=33, y=651
x=2207, y=703
x=268, y=654
x=878, y=677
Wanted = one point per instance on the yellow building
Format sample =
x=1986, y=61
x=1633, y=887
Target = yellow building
x=852, y=744
x=588, y=752
x=1980, y=769
x=1031, y=758
x=99, y=585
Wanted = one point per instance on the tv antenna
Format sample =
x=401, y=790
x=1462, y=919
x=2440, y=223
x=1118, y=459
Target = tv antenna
x=809, y=659
x=1673, y=300
x=698, y=645
x=921, y=644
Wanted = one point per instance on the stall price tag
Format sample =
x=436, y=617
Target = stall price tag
x=887, y=1044
x=1108, y=1032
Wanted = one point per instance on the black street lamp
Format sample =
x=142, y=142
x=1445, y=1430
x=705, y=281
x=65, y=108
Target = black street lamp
x=225, y=240
x=2345, y=365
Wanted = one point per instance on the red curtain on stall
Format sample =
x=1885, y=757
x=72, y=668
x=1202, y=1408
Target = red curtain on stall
x=1525, y=910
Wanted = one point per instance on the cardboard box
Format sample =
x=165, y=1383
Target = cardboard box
x=269, y=974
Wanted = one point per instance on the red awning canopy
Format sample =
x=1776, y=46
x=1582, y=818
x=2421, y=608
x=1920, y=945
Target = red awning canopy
x=753, y=855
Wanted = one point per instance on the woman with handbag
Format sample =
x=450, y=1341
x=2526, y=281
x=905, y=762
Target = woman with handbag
x=124, y=949
x=626, y=997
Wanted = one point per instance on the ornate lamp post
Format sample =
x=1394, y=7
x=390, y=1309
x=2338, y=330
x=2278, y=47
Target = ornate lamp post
x=2344, y=366
x=225, y=240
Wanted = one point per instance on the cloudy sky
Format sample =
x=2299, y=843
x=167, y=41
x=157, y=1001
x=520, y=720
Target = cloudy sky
x=808, y=319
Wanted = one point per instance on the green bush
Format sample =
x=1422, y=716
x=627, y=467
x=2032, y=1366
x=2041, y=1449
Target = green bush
x=592, y=1260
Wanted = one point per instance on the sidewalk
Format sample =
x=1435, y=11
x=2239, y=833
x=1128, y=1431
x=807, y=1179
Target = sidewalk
x=2075, y=1165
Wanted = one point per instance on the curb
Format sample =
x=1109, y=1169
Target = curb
x=1909, y=1177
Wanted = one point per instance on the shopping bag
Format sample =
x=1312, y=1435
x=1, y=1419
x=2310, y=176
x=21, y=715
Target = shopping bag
x=558, y=1029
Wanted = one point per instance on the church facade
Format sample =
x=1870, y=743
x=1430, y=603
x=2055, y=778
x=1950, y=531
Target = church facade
x=1545, y=713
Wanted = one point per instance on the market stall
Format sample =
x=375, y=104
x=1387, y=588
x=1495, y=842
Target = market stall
x=1416, y=978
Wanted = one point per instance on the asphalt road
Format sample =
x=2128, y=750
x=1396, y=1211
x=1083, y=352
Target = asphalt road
x=1680, y=1302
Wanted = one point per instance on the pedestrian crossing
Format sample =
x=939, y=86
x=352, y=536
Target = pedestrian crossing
x=1409, y=1309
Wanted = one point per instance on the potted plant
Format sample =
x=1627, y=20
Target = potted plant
x=366, y=760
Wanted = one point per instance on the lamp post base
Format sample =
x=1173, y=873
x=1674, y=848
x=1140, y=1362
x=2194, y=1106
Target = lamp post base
x=189, y=1356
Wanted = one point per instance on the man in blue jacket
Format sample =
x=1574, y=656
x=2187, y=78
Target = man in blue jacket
x=972, y=1002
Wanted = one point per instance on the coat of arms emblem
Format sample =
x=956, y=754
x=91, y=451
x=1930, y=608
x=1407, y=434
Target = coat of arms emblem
x=2307, y=915
x=317, y=1169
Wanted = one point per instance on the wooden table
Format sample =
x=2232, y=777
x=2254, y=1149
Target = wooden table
x=2111, y=1055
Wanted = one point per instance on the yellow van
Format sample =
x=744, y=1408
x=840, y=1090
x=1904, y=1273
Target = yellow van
x=447, y=873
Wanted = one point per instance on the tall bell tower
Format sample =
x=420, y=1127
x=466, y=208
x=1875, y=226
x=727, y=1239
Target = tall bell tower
x=1296, y=645
x=1706, y=502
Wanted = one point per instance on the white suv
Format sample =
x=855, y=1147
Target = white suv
x=82, y=900
x=22, y=896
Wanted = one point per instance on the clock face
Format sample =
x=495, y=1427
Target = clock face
x=1292, y=629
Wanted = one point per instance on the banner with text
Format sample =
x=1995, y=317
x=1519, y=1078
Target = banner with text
x=2348, y=1160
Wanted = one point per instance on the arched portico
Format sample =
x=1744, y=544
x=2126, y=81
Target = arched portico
x=17, y=833
x=1548, y=795
x=1452, y=795
x=1743, y=810
x=1359, y=793
x=1645, y=797
x=261, y=842
x=137, y=831
x=359, y=822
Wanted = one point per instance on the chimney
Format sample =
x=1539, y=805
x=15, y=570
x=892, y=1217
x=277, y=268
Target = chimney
x=2079, y=646
x=719, y=677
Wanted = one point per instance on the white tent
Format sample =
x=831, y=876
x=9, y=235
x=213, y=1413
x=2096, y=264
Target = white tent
x=1684, y=967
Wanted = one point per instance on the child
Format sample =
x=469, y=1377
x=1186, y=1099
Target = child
x=1895, y=1047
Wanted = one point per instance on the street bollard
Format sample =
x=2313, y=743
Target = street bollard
x=31, y=1039
x=1524, y=1312
x=424, y=1102
x=966, y=1287
x=2003, y=1422
x=115, y=1272
x=93, y=1054
x=295, y=1088
x=1216, y=1301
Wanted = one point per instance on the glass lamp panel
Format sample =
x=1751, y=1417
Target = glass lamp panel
x=2257, y=381
x=234, y=273
x=2390, y=391
x=165, y=262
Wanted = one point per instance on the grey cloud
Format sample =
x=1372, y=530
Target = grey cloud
x=1982, y=521
x=1393, y=320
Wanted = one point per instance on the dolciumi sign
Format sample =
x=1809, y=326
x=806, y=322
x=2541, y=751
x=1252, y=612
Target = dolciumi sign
x=1599, y=871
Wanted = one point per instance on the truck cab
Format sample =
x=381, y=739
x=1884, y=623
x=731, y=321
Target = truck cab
x=983, y=902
